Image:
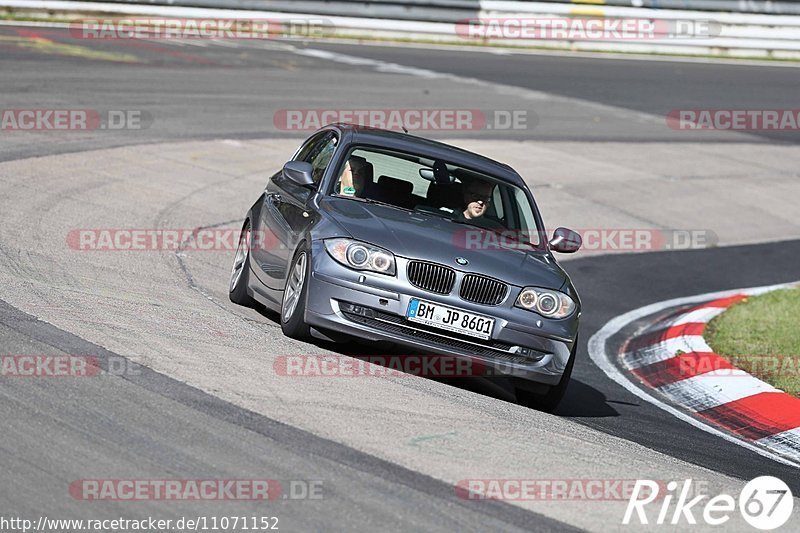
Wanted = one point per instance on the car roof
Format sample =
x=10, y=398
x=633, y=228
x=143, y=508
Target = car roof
x=404, y=142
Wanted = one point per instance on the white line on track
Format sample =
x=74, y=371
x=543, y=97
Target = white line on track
x=789, y=441
x=224, y=43
x=192, y=42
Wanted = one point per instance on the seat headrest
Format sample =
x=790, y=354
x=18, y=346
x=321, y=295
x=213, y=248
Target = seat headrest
x=357, y=162
x=396, y=186
x=450, y=195
x=368, y=171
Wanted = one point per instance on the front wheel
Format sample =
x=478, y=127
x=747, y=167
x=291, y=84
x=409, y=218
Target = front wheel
x=293, y=305
x=240, y=272
x=549, y=400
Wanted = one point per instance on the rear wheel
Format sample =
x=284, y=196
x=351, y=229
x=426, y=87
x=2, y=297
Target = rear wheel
x=549, y=400
x=240, y=272
x=293, y=306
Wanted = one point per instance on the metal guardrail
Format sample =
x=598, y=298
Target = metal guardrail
x=422, y=10
x=769, y=7
x=734, y=33
x=444, y=10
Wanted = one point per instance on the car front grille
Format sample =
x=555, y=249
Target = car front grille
x=482, y=290
x=431, y=277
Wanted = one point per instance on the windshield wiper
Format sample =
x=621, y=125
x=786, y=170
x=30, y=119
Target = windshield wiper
x=512, y=234
x=434, y=212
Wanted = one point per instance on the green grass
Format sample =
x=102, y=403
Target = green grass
x=761, y=335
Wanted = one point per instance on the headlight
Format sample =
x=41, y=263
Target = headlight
x=361, y=256
x=550, y=304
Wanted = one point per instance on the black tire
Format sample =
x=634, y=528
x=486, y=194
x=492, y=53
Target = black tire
x=293, y=320
x=240, y=272
x=548, y=401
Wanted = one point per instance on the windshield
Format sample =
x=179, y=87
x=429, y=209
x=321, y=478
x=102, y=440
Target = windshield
x=435, y=187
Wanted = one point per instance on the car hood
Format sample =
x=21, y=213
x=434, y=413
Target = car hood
x=416, y=235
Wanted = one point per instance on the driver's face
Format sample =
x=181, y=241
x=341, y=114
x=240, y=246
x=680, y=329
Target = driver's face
x=477, y=196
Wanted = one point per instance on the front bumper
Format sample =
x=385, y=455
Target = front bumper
x=373, y=307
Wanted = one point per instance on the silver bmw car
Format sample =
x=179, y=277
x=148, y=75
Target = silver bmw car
x=384, y=236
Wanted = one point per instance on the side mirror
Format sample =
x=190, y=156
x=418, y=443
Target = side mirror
x=565, y=241
x=299, y=172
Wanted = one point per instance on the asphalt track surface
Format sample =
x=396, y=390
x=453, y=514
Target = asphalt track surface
x=55, y=433
x=654, y=87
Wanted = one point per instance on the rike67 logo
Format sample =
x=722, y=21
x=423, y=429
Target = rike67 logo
x=765, y=503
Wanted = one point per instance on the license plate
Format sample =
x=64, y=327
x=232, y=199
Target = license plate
x=456, y=320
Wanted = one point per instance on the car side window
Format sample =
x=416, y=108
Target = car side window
x=527, y=222
x=497, y=203
x=318, y=151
